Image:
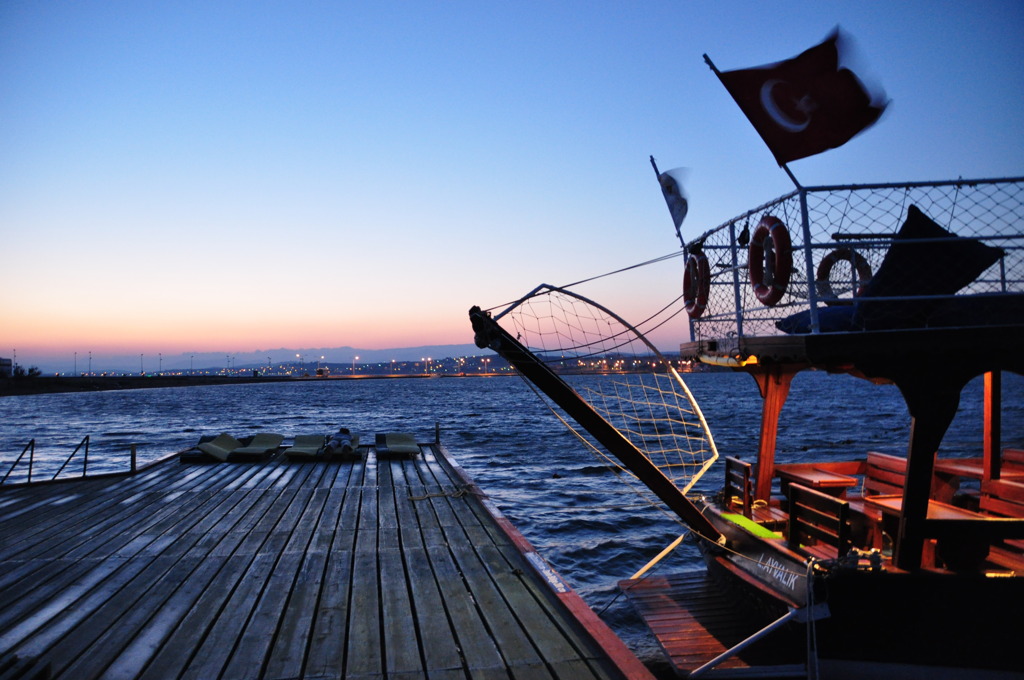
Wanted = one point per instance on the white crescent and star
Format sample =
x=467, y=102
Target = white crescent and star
x=784, y=120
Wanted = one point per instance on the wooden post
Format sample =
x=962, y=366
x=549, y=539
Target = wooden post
x=993, y=425
x=774, y=382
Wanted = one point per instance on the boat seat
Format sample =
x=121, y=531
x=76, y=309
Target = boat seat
x=819, y=524
x=738, y=495
x=884, y=474
x=1013, y=458
x=738, y=489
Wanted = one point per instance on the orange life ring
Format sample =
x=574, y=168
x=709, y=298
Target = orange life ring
x=696, y=284
x=773, y=232
x=822, y=280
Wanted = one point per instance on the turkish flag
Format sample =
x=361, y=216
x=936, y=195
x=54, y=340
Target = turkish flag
x=805, y=105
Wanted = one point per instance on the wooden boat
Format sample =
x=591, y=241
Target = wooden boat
x=890, y=562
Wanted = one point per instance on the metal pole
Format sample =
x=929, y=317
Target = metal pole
x=697, y=672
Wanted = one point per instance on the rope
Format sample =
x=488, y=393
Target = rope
x=655, y=260
x=812, y=627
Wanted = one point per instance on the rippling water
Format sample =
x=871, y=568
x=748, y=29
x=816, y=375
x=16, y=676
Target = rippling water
x=571, y=505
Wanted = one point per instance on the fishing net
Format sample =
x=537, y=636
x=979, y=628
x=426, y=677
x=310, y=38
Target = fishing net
x=619, y=374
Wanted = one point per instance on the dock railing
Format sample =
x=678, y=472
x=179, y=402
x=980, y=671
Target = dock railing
x=838, y=237
x=82, y=447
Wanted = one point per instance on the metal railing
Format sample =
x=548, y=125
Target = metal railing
x=83, y=446
x=839, y=237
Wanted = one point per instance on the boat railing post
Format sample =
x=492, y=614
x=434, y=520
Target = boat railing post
x=133, y=452
x=437, y=433
x=812, y=290
x=31, y=458
x=85, y=460
x=734, y=248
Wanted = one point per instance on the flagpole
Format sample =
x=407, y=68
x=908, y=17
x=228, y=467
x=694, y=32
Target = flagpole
x=786, y=168
x=714, y=68
x=718, y=73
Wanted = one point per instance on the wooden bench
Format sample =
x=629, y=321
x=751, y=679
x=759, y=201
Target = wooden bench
x=1004, y=498
x=884, y=474
x=739, y=492
x=1013, y=459
x=738, y=487
x=819, y=524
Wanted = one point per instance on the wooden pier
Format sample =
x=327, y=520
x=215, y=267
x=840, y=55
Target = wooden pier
x=382, y=567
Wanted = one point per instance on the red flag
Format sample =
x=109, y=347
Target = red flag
x=805, y=105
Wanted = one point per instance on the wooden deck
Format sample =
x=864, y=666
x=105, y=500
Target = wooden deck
x=380, y=568
x=695, y=621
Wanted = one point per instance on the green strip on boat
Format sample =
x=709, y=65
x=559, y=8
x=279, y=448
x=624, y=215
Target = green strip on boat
x=750, y=525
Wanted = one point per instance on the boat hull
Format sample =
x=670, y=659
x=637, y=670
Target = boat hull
x=921, y=618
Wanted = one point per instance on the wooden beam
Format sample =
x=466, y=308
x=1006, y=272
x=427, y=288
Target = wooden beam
x=993, y=425
x=932, y=395
x=773, y=381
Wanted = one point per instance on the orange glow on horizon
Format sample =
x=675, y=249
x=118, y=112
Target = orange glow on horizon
x=45, y=336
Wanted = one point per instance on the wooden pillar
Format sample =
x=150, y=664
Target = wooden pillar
x=993, y=425
x=774, y=382
x=933, y=401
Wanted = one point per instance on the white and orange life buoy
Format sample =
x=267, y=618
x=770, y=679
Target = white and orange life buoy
x=822, y=278
x=696, y=284
x=770, y=276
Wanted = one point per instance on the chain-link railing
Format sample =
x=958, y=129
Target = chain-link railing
x=867, y=257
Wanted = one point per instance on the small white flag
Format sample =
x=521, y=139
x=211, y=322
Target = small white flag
x=675, y=196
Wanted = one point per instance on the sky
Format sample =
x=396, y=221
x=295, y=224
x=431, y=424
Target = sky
x=182, y=177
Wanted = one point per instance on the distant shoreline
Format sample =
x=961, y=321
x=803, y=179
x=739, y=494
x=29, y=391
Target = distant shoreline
x=11, y=387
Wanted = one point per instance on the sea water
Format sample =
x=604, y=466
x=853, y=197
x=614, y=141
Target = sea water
x=576, y=508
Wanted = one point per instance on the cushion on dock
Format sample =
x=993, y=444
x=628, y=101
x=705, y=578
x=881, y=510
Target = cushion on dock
x=263, y=442
x=396, y=444
x=305, y=447
x=221, y=447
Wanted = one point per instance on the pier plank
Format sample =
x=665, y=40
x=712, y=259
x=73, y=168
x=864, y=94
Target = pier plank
x=370, y=568
x=326, y=655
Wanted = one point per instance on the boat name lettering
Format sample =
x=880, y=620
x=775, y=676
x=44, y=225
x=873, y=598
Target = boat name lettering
x=775, y=570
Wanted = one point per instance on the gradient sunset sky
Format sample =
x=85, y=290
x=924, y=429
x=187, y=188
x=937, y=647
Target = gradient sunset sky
x=234, y=176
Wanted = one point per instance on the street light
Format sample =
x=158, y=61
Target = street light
x=354, y=360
